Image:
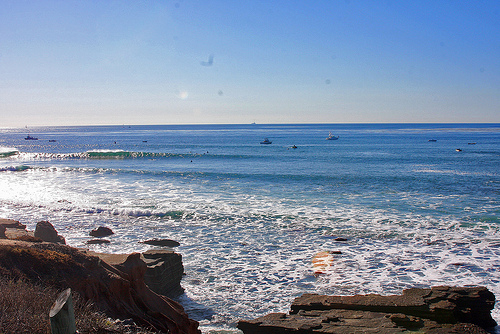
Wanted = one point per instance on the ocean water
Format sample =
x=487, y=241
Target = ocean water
x=250, y=217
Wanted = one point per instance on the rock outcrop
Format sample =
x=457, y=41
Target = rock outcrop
x=101, y=231
x=438, y=310
x=164, y=272
x=11, y=228
x=2, y=232
x=46, y=232
x=118, y=290
x=11, y=223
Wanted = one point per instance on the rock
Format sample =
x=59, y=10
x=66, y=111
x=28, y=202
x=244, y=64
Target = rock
x=161, y=242
x=10, y=223
x=97, y=241
x=164, y=272
x=2, y=232
x=438, y=310
x=100, y=232
x=46, y=231
x=117, y=290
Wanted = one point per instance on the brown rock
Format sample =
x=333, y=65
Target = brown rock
x=46, y=231
x=164, y=272
x=10, y=223
x=437, y=310
x=118, y=290
x=100, y=232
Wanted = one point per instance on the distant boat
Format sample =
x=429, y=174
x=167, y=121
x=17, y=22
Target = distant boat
x=432, y=140
x=332, y=137
x=30, y=138
x=52, y=140
x=458, y=150
x=266, y=142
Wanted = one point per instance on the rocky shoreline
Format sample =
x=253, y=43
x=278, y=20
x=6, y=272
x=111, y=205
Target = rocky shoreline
x=139, y=286
x=123, y=286
x=440, y=310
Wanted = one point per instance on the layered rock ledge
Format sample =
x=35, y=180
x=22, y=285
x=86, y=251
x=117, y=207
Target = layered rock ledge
x=118, y=284
x=438, y=310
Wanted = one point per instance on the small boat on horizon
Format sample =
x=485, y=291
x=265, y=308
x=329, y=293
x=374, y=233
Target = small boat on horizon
x=266, y=141
x=332, y=137
x=30, y=138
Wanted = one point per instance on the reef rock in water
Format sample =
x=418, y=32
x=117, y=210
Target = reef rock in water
x=438, y=310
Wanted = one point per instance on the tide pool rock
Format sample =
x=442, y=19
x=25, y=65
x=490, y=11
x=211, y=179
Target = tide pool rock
x=438, y=310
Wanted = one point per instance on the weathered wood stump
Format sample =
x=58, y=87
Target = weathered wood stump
x=62, y=314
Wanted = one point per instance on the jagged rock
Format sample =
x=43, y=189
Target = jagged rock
x=100, y=232
x=438, y=310
x=161, y=242
x=118, y=290
x=164, y=272
x=46, y=231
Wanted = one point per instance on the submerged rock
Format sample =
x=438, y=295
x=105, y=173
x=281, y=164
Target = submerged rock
x=438, y=310
x=98, y=241
x=161, y=242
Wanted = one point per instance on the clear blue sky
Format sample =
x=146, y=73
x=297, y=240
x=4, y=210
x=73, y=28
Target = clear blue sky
x=230, y=61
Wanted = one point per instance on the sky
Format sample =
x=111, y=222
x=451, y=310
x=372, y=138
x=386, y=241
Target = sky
x=104, y=62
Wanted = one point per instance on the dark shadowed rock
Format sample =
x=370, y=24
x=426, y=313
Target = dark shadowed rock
x=161, y=242
x=164, y=272
x=438, y=310
x=2, y=232
x=46, y=231
x=100, y=232
x=97, y=241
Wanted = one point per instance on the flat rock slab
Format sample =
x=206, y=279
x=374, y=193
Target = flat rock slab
x=349, y=322
x=161, y=242
x=440, y=310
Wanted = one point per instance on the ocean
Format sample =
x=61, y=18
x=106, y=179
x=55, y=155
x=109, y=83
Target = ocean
x=398, y=205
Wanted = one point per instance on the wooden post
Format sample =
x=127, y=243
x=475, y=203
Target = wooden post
x=62, y=314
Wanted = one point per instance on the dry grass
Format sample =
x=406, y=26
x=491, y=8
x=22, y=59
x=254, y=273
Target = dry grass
x=24, y=308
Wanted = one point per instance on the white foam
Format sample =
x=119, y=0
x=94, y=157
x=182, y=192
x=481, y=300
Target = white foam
x=249, y=254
